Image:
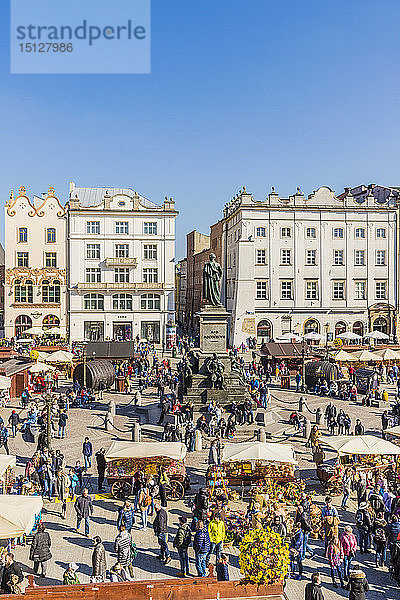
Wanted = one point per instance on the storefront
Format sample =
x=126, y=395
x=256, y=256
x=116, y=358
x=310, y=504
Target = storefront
x=150, y=331
x=94, y=331
x=122, y=332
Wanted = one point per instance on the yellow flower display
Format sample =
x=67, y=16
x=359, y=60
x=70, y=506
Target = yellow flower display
x=263, y=557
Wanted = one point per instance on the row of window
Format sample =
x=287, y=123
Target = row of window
x=122, y=227
x=23, y=292
x=121, y=275
x=311, y=257
x=50, y=234
x=50, y=259
x=122, y=302
x=311, y=232
x=150, y=251
x=312, y=293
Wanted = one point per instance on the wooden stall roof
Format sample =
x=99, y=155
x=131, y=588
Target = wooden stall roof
x=280, y=350
x=15, y=365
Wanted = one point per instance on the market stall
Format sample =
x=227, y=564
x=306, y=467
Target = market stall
x=363, y=453
x=124, y=459
x=7, y=475
x=18, y=515
x=264, y=472
x=250, y=462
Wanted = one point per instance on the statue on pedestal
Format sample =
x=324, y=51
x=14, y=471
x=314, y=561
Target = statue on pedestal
x=212, y=273
x=215, y=370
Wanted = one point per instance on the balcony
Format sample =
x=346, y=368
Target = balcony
x=105, y=287
x=121, y=261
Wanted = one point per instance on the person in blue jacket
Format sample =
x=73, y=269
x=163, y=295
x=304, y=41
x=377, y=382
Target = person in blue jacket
x=201, y=545
x=296, y=550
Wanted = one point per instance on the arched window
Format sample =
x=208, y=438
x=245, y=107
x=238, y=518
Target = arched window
x=150, y=302
x=264, y=330
x=50, y=321
x=358, y=328
x=51, y=291
x=93, y=302
x=311, y=325
x=51, y=235
x=340, y=327
x=23, y=292
x=380, y=324
x=122, y=302
x=22, y=322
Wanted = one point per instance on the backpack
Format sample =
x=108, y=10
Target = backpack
x=360, y=518
x=380, y=535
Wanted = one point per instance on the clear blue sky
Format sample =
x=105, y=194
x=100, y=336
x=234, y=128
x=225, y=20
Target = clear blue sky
x=242, y=92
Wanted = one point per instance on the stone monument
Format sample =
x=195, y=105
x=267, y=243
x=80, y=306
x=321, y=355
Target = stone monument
x=214, y=374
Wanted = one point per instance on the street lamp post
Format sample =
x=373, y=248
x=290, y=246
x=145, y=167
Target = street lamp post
x=48, y=400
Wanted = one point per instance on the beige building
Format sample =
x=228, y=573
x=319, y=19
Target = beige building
x=35, y=269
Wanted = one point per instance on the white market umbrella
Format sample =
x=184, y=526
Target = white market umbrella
x=289, y=337
x=35, y=330
x=7, y=460
x=395, y=431
x=349, y=335
x=61, y=356
x=5, y=382
x=17, y=514
x=377, y=335
x=53, y=331
x=388, y=354
x=40, y=368
x=344, y=356
x=361, y=444
x=313, y=335
x=258, y=451
x=366, y=355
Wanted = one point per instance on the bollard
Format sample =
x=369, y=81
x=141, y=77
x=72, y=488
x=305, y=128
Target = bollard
x=109, y=421
x=198, y=441
x=307, y=429
x=136, y=432
x=111, y=408
x=262, y=435
x=318, y=416
x=138, y=398
x=301, y=403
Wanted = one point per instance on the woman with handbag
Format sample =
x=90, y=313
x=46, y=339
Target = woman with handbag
x=144, y=503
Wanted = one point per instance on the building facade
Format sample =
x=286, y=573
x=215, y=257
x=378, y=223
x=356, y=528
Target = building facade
x=322, y=263
x=35, y=263
x=180, y=293
x=121, y=253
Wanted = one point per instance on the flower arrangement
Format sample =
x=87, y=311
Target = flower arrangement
x=263, y=558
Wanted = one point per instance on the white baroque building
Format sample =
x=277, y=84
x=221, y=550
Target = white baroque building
x=35, y=269
x=322, y=263
x=121, y=254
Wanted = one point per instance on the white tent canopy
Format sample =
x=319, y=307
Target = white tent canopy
x=40, y=368
x=61, y=356
x=388, y=354
x=253, y=451
x=119, y=449
x=366, y=356
x=6, y=460
x=377, y=335
x=35, y=330
x=395, y=431
x=5, y=382
x=17, y=514
x=349, y=335
x=289, y=337
x=313, y=335
x=360, y=444
x=345, y=356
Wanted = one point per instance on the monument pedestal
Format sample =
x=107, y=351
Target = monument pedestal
x=213, y=341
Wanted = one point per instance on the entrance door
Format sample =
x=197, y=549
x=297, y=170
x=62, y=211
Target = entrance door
x=94, y=331
x=122, y=332
x=150, y=330
x=19, y=384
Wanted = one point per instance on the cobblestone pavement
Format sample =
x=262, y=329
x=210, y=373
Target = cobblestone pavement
x=68, y=545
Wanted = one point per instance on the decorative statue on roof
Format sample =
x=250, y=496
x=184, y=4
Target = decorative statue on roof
x=212, y=273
